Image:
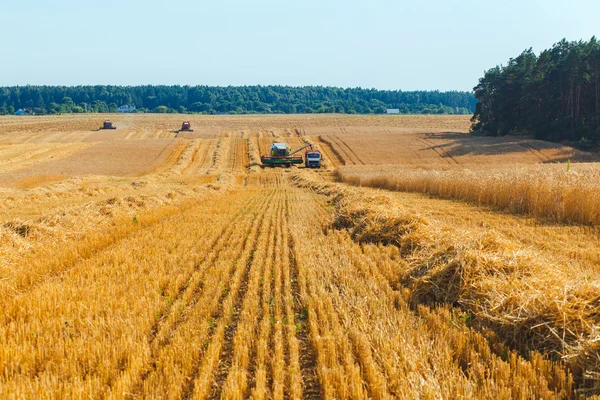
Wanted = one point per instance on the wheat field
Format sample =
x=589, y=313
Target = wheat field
x=142, y=264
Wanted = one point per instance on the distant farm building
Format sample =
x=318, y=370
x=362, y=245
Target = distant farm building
x=393, y=111
x=126, y=109
x=21, y=112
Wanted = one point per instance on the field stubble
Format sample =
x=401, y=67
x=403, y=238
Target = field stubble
x=209, y=277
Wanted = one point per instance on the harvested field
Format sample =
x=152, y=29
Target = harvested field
x=17, y=157
x=144, y=265
x=116, y=158
x=445, y=149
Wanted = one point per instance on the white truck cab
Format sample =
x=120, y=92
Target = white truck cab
x=313, y=159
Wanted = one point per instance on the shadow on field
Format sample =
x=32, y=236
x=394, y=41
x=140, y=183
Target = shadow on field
x=461, y=145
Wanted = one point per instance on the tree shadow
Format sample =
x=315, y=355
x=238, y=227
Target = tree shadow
x=453, y=145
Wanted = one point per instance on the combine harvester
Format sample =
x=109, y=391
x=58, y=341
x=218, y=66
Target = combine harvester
x=186, y=126
x=281, y=156
x=107, y=125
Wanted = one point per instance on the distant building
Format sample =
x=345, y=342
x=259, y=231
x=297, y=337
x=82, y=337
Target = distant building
x=126, y=109
x=393, y=111
x=21, y=112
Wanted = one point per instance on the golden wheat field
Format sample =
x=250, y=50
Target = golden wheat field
x=418, y=263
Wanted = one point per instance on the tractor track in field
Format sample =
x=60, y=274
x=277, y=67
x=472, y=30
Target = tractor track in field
x=329, y=149
x=536, y=152
x=350, y=151
x=439, y=151
x=341, y=151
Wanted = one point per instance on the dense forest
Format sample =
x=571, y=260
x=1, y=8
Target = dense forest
x=231, y=99
x=553, y=96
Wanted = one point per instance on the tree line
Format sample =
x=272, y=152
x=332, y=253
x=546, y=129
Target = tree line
x=231, y=99
x=554, y=95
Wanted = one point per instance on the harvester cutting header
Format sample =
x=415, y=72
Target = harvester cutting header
x=281, y=156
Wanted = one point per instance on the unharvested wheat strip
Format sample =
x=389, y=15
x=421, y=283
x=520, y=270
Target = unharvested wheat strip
x=202, y=378
x=185, y=303
x=236, y=382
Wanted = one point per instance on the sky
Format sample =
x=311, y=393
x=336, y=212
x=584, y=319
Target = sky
x=405, y=45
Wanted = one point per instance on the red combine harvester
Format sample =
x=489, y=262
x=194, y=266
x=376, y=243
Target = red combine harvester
x=186, y=127
x=107, y=125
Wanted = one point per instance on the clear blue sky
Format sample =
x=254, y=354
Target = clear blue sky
x=406, y=45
